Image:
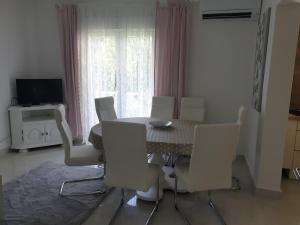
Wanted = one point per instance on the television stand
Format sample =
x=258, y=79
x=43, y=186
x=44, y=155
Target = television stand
x=33, y=127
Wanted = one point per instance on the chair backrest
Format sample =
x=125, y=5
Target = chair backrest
x=65, y=131
x=126, y=154
x=192, y=109
x=241, y=116
x=240, y=121
x=105, y=108
x=162, y=107
x=211, y=160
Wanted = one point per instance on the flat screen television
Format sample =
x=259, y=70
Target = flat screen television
x=39, y=91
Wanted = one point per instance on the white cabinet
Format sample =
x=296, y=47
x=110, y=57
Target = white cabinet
x=33, y=134
x=52, y=134
x=33, y=127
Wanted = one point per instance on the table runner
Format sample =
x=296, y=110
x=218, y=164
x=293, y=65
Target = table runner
x=176, y=139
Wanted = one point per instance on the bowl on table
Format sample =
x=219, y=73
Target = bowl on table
x=160, y=123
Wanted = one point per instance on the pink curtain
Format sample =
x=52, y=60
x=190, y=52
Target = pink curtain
x=68, y=27
x=172, y=38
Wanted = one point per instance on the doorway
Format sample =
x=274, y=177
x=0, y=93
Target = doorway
x=292, y=144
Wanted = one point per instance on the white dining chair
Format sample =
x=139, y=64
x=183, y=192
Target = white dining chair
x=85, y=155
x=210, y=167
x=126, y=160
x=162, y=107
x=192, y=108
x=105, y=108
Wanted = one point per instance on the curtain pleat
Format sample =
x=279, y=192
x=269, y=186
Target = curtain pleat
x=172, y=37
x=68, y=30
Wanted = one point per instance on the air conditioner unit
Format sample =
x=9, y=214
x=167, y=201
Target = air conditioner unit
x=230, y=9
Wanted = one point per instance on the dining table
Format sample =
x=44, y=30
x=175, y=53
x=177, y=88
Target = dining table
x=176, y=139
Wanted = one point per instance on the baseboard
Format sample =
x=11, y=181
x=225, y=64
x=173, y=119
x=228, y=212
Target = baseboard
x=4, y=146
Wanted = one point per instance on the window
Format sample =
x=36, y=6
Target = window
x=117, y=59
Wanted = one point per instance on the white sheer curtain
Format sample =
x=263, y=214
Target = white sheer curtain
x=117, y=59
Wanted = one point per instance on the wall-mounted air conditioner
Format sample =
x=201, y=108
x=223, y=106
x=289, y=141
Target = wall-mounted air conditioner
x=230, y=9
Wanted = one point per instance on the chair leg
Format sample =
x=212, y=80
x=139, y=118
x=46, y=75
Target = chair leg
x=170, y=159
x=102, y=191
x=61, y=193
x=213, y=206
x=156, y=203
x=237, y=185
x=297, y=173
x=175, y=203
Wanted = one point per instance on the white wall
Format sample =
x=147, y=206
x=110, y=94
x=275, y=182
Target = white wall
x=221, y=67
x=43, y=47
x=251, y=141
x=277, y=93
x=13, y=58
x=265, y=154
x=49, y=59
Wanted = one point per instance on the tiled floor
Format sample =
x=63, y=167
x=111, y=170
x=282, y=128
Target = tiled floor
x=238, y=208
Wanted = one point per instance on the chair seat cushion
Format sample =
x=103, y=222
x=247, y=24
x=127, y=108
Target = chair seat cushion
x=193, y=185
x=85, y=155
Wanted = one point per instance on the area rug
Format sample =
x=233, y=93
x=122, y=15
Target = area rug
x=33, y=198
